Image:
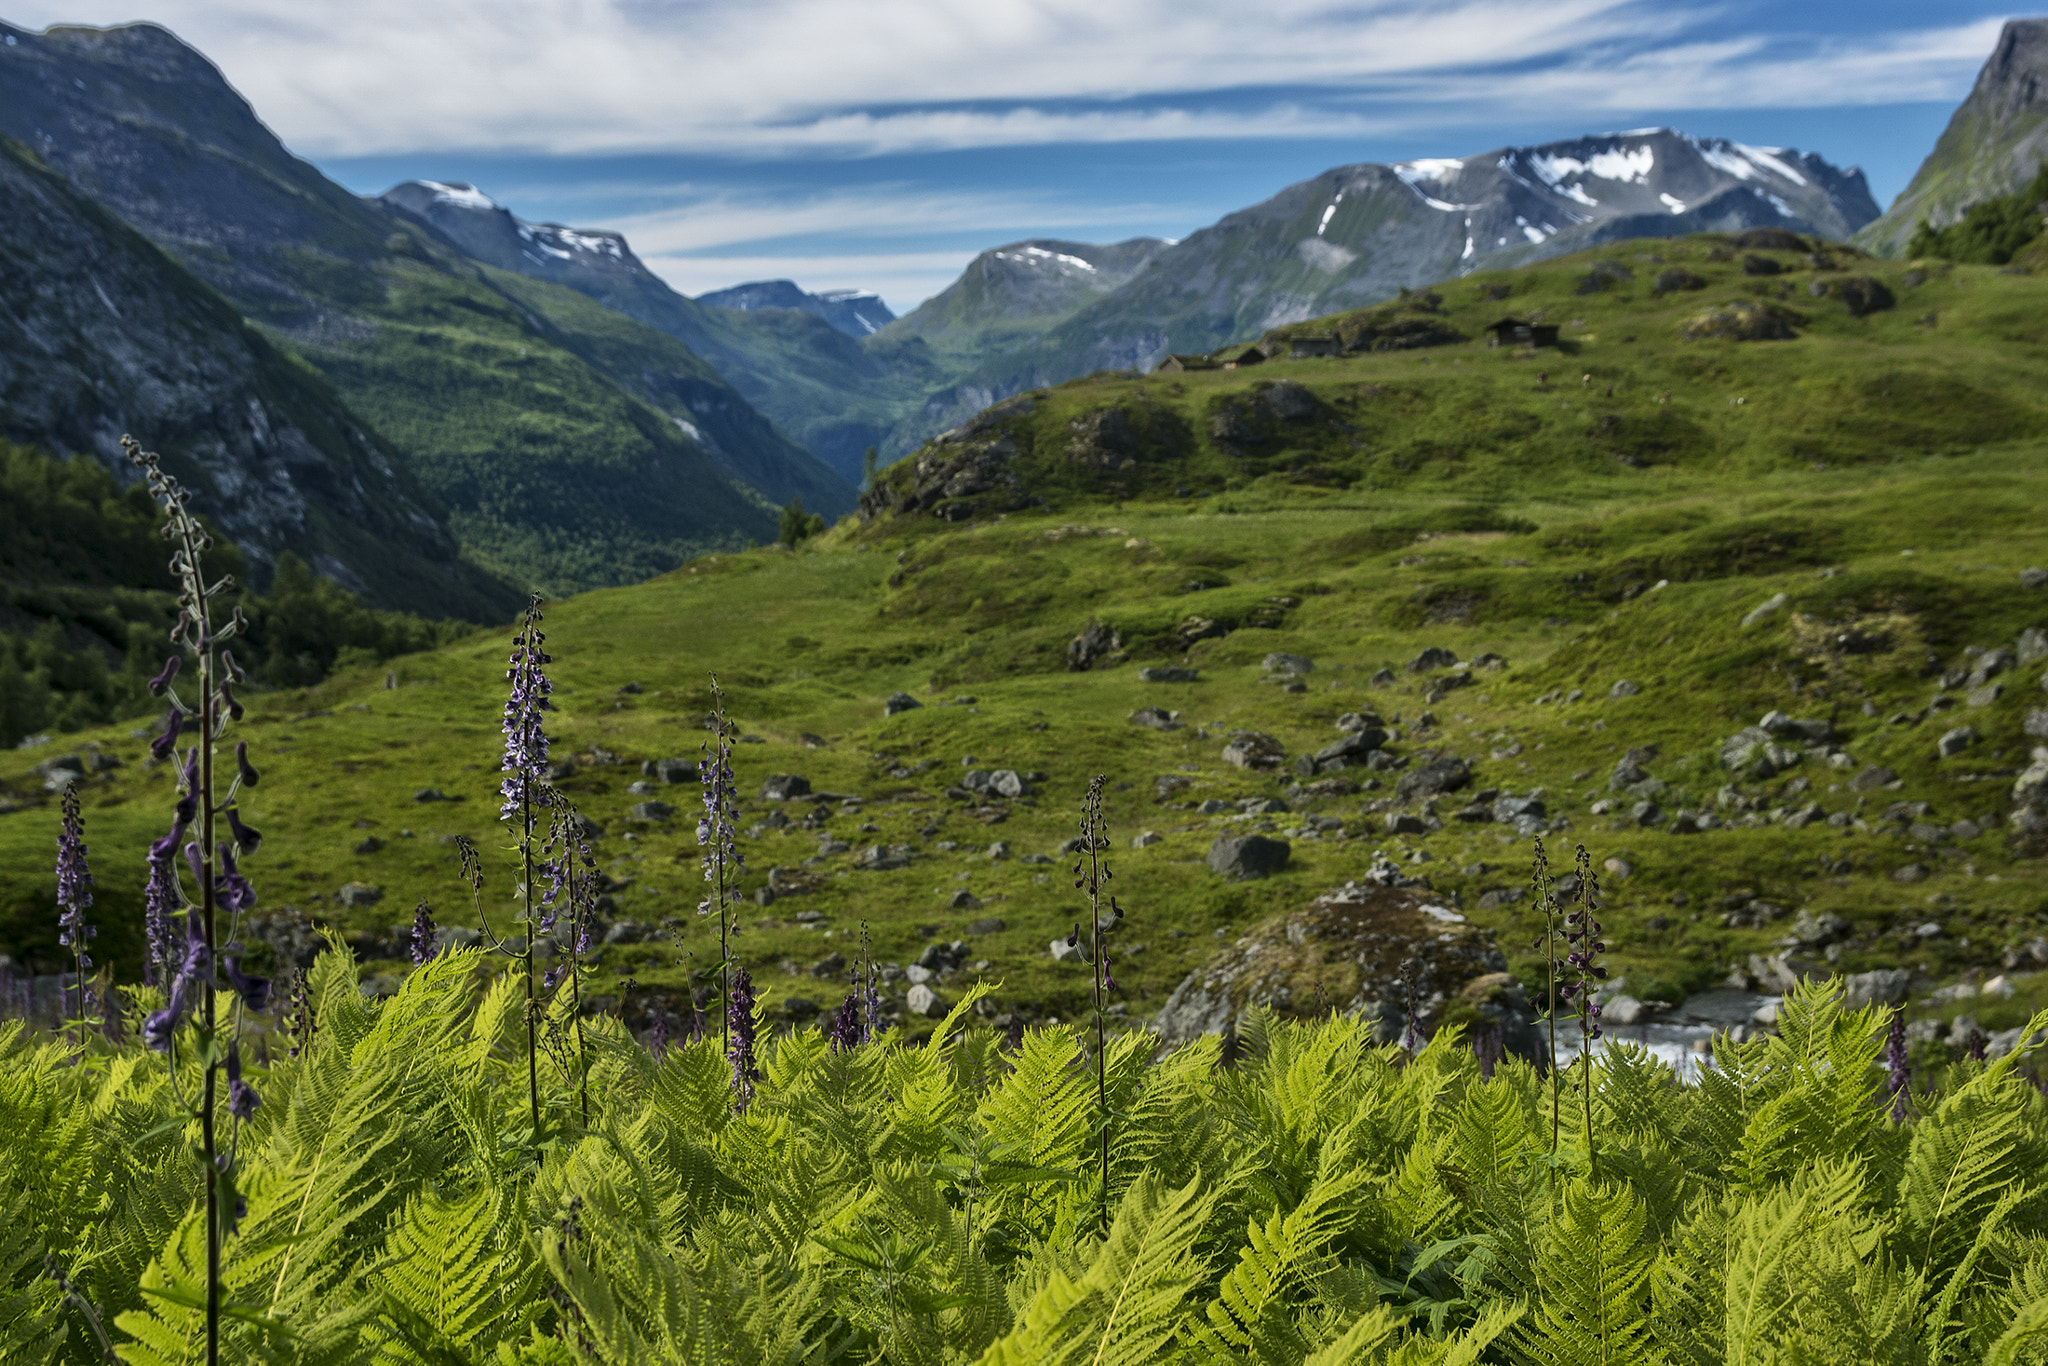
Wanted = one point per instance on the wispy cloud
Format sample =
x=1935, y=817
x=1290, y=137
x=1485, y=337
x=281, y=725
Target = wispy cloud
x=876, y=76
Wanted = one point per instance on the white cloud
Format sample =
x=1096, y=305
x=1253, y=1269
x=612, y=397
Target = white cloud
x=869, y=76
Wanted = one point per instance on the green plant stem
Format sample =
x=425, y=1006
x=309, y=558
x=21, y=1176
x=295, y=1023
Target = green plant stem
x=532, y=999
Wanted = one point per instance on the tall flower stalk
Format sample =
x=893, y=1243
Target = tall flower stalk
x=1091, y=874
x=74, y=894
x=1545, y=891
x=1584, y=945
x=208, y=949
x=718, y=838
x=1898, y=1068
x=739, y=1039
x=525, y=792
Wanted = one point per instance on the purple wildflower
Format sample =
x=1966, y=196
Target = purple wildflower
x=869, y=991
x=242, y=1097
x=739, y=1019
x=1976, y=1045
x=657, y=1039
x=422, y=938
x=247, y=838
x=161, y=747
x=1898, y=1069
x=160, y=901
x=716, y=829
x=254, y=991
x=161, y=684
x=843, y=1031
x=74, y=887
x=196, y=963
x=188, y=799
x=526, y=743
x=232, y=891
x=243, y=767
x=298, y=1020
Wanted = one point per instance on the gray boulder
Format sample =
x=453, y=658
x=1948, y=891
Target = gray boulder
x=1164, y=675
x=782, y=787
x=1353, y=721
x=1872, y=778
x=1625, y=688
x=1435, y=657
x=899, y=702
x=652, y=811
x=671, y=771
x=354, y=894
x=1156, y=718
x=1349, y=949
x=1254, y=750
x=1809, y=730
x=1954, y=742
x=1291, y=666
x=922, y=1000
x=1438, y=776
x=2034, y=578
x=1096, y=642
x=1240, y=857
x=1354, y=745
x=1883, y=986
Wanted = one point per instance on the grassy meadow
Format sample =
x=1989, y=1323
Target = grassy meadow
x=1609, y=510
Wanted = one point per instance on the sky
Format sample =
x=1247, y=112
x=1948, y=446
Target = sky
x=880, y=144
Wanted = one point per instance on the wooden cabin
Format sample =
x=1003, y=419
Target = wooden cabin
x=1178, y=364
x=1237, y=357
x=1515, y=332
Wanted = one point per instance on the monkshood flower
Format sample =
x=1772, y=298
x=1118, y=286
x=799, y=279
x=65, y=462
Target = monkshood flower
x=298, y=1015
x=74, y=888
x=232, y=891
x=1898, y=1069
x=161, y=747
x=243, y=767
x=843, y=1030
x=526, y=743
x=161, y=684
x=421, y=940
x=247, y=838
x=254, y=991
x=739, y=1049
x=242, y=1097
x=160, y=901
x=195, y=964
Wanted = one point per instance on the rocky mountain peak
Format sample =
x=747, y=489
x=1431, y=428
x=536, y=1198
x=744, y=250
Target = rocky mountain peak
x=488, y=231
x=1994, y=142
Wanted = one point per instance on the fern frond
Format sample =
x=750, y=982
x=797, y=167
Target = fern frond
x=1592, y=1267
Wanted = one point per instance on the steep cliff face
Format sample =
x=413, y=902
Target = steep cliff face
x=102, y=335
x=1994, y=143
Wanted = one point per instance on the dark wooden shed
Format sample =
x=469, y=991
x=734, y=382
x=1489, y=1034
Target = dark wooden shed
x=1515, y=332
x=1178, y=364
x=1303, y=348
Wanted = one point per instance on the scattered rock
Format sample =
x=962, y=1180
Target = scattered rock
x=922, y=1000
x=964, y=900
x=652, y=811
x=1355, y=745
x=1254, y=750
x=2034, y=578
x=1431, y=779
x=1864, y=294
x=1286, y=665
x=1097, y=642
x=1624, y=1011
x=1248, y=856
x=1162, y=675
x=1146, y=839
x=2032, y=645
x=828, y=967
x=1872, y=778
x=1352, y=722
x=1624, y=688
x=1071, y=951
x=431, y=794
x=900, y=702
x=1912, y=872
x=1955, y=741
x=1744, y=320
x=782, y=787
x=993, y=925
x=1435, y=657
x=1673, y=280
x=1156, y=718
x=1402, y=823
x=354, y=894
x=1883, y=986
x=1770, y=605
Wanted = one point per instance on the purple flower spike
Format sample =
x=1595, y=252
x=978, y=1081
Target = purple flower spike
x=161, y=747
x=197, y=861
x=1898, y=1069
x=74, y=883
x=196, y=963
x=161, y=684
x=526, y=743
x=421, y=940
x=232, y=891
x=242, y=1097
x=242, y=764
x=739, y=1018
x=843, y=1031
x=247, y=839
x=160, y=901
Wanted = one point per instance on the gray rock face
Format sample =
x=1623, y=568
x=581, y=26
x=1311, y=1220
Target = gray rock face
x=1286, y=664
x=354, y=894
x=1355, y=745
x=1993, y=143
x=1156, y=718
x=1242, y=857
x=900, y=702
x=1348, y=949
x=1435, y=657
x=652, y=811
x=782, y=787
x=923, y=1001
x=1954, y=742
x=1883, y=986
x=856, y=312
x=1624, y=688
x=1165, y=675
x=1097, y=642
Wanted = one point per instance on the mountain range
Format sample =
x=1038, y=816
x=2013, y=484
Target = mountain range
x=856, y=312
x=534, y=395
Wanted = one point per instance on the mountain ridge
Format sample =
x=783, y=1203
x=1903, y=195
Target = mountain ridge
x=1994, y=141
x=856, y=312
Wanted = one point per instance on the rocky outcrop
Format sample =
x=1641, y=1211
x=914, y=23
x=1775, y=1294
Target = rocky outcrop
x=1360, y=950
x=967, y=472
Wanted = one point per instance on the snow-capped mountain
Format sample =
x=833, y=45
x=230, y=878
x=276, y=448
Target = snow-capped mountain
x=856, y=312
x=488, y=231
x=1357, y=234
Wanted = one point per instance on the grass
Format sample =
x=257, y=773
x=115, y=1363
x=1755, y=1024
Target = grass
x=1882, y=473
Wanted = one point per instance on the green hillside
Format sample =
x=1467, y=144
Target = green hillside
x=1611, y=511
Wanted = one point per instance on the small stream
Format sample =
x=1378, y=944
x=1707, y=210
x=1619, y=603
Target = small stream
x=1678, y=1037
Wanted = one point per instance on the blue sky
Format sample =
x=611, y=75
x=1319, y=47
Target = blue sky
x=882, y=143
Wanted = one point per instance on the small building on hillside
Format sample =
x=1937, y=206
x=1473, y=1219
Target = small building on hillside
x=1305, y=348
x=1237, y=357
x=1178, y=364
x=1515, y=332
